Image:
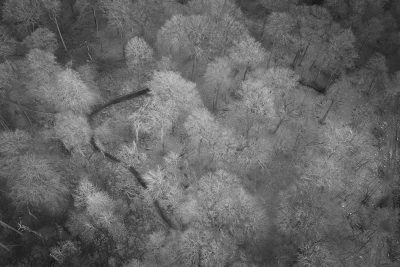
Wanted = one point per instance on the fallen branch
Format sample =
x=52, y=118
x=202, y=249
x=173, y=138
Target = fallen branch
x=165, y=219
x=313, y=85
x=119, y=100
x=4, y=246
x=10, y=227
x=138, y=177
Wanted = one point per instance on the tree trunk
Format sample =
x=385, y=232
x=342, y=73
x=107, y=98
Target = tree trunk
x=304, y=55
x=312, y=65
x=137, y=135
x=271, y=53
x=199, y=257
x=277, y=126
x=121, y=36
x=245, y=72
x=317, y=76
x=95, y=19
x=263, y=29
x=71, y=6
x=163, y=216
x=215, y=101
x=5, y=225
x=88, y=51
x=332, y=75
x=199, y=147
x=322, y=120
x=59, y=33
x=225, y=44
x=269, y=58
x=371, y=85
x=396, y=143
x=138, y=78
x=393, y=162
x=193, y=67
x=162, y=139
x=248, y=128
x=295, y=58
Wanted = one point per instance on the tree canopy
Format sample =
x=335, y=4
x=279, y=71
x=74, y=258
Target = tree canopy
x=199, y=133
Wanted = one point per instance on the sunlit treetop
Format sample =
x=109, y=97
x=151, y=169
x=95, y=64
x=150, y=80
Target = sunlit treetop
x=219, y=73
x=164, y=186
x=13, y=143
x=287, y=99
x=170, y=85
x=374, y=75
x=300, y=211
x=199, y=36
x=224, y=33
x=52, y=6
x=280, y=25
x=62, y=89
x=377, y=64
x=346, y=162
x=342, y=47
x=154, y=13
x=88, y=73
x=279, y=79
x=119, y=15
x=79, y=224
x=217, y=249
x=247, y=52
x=184, y=34
x=41, y=64
x=166, y=64
x=172, y=98
x=343, y=93
x=138, y=52
x=191, y=247
x=42, y=38
x=218, y=82
x=7, y=75
x=73, y=130
x=100, y=208
x=255, y=154
x=24, y=12
x=161, y=114
x=7, y=43
x=258, y=97
x=227, y=205
x=315, y=22
x=38, y=185
x=268, y=97
x=72, y=93
x=207, y=135
x=84, y=189
x=134, y=18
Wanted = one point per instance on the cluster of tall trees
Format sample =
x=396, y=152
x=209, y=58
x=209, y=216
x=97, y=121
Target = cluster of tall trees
x=199, y=133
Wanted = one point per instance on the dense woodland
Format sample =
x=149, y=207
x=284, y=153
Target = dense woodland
x=199, y=133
